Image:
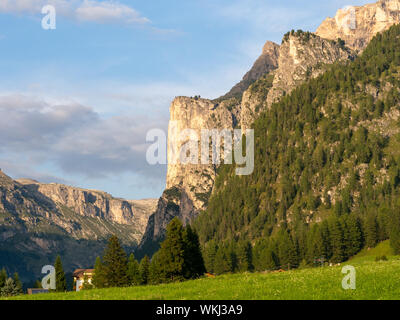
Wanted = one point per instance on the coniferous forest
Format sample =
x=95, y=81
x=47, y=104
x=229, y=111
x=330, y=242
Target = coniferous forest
x=327, y=172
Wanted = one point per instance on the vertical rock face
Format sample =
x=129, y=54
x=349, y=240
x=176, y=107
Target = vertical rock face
x=91, y=203
x=194, y=114
x=358, y=25
x=188, y=185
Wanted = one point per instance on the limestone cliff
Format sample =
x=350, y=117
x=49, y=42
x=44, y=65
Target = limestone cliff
x=39, y=221
x=358, y=25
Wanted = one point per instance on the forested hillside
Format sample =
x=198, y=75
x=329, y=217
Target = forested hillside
x=327, y=172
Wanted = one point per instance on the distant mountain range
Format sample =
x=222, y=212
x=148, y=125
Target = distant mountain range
x=39, y=221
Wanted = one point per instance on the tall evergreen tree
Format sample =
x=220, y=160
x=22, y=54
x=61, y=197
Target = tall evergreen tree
x=172, y=252
x=115, y=263
x=337, y=240
x=61, y=283
x=156, y=275
x=18, y=284
x=244, y=256
x=3, y=277
x=193, y=258
x=144, y=270
x=221, y=261
x=353, y=236
x=209, y=253
x=99, y=277
x=133, y=271
x=394, y=232
x=371, y=231
x=9, y=289
x=288, y=256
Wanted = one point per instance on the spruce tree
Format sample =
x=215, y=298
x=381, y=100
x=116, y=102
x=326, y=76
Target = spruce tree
x=18, y=284
x=353, y=236
x=115, y=263
x=371, y=231
x=337, y=241
x=210, y=251
x=144, y=270
x=288, y=256
x=61, y=283
x=172, y=252
x=244, y=257
x=221, y=262
x=3, y=277
x=9, y=289
x=269, y=258
x=394, y=233
x=99, y=277
x=193, y=258
x=156, y=270
x=133, y=271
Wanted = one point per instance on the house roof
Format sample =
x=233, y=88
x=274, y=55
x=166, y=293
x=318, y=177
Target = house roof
x=80, y=272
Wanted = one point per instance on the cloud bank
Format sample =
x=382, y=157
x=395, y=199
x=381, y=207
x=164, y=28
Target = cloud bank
x=74, y=138
x=81, y=10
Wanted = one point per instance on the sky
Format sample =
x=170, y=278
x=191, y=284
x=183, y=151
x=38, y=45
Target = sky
x=77, y=101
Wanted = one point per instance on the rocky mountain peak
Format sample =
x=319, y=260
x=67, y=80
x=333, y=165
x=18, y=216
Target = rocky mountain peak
x=358, y=25
x=267, y=61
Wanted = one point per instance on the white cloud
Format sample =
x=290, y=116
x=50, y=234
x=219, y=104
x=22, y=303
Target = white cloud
x=108, y=11
x=74, y=138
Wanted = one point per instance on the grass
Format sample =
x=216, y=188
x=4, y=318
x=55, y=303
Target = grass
x=382, y=249
x=375, y=280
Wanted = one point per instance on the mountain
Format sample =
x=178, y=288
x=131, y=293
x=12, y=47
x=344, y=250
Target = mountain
x=300, y=57
x=358, y=25
x=327, y=168
x=267, y=62
x=39, y=221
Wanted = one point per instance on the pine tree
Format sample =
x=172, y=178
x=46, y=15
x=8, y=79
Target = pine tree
x=337, y=241
x=144, y=270
x=210, y=251
x=353, y=236
x=269, y=258
x=288, y=256
x=133, y=271
x=394, y=233
x=172, y=252
x=115, y=263
x=9, y=289
x=156, y=275
x=221, y=262
x=371, y=231
x=244, y=258
x=99, y=277
x=3, y=277
x=61, y=283
x=193, y=259
x=18, y=284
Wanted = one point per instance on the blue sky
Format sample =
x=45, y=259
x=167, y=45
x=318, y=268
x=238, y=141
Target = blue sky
x=76, y=102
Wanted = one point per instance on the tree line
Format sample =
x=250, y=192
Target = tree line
x=179, y=258
x=10, y=286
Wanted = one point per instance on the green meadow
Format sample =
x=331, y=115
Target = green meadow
x=374, y=280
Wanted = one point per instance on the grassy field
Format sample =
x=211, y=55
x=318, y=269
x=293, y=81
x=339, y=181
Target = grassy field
x=375, y=280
